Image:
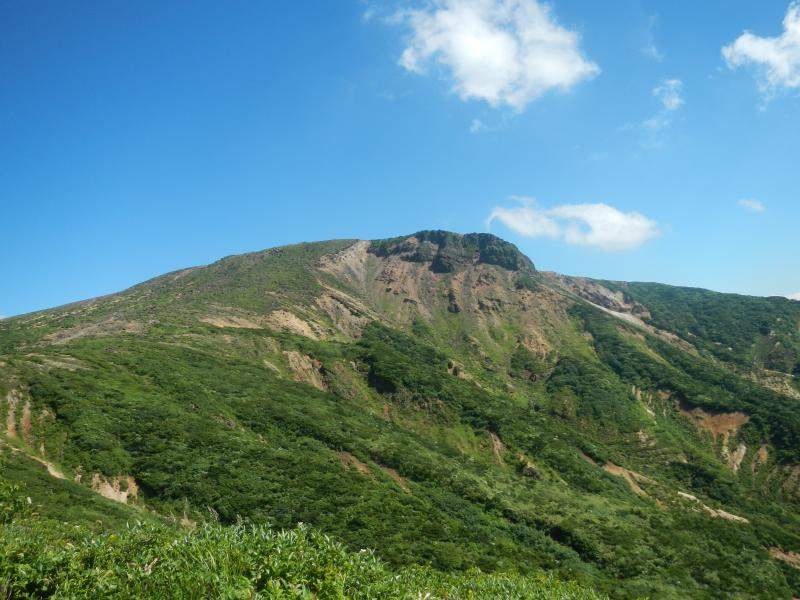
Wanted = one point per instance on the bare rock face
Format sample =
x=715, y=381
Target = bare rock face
x=448, y=252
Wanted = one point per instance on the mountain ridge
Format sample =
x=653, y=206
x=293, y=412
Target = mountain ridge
x=520, y=419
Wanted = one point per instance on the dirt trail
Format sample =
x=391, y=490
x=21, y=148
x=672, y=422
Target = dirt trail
x=718, y=513
x=51, y=468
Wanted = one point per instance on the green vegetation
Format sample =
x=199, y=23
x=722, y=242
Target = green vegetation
x=744, y=330
x=523, y=432
x=41, y=557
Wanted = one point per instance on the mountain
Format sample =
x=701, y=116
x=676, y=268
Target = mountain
x=434, y=397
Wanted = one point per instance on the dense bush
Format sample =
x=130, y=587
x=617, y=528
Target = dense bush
x=40, y=559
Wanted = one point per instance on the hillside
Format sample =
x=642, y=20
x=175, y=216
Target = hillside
x=433, y=397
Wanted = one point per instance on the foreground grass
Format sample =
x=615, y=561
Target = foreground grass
x=39, y=558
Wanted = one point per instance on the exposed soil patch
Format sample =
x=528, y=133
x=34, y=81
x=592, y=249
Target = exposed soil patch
x=346, y=313
x=305, y=369
x=776, y=381
x=630, y=476
x=401, y=481
x=603, y=297
x=791, y=558
x=734, y=459
x=761, y=457
x=350, y=264
x=717, y=424
x=498, y=448
x=25, y=421
x=285, y=321
x=348, y=461
x=119, y=488
x=233, y=322
x=57, y=362
x=110, y=326
x=11, y=413
x=586, y=457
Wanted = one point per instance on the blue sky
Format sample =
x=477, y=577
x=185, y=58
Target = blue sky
x=612, y=140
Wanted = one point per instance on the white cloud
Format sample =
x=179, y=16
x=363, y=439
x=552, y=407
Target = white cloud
x=794, y=296
x=750, y=204
x=670, y=94
x=597, y=225
x=505, y=52
x=777, y=59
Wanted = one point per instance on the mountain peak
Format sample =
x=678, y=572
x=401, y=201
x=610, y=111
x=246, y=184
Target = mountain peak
x=448, y=251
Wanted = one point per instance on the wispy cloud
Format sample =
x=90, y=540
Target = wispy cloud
x=751, y=204
x=776, y=59
x=478, y=126
x=669, y=94
x=504, y=52
x=794, y=296
x=649, y=49
x=596, y=225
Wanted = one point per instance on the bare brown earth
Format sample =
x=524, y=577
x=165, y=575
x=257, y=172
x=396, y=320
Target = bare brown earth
x=234, y=322
x=111, y=326
x=119, y=488
x=349, y=265
x=498, y=448
x=717, y=424
x=630, y=476
x=761, y=457
x=285, y=321
x=11, y=409
x=791, y=558
x=349, y=461
x=305, y=369
x=401, y=481
x=348, y=315
x=57, y=362
x=25, y=421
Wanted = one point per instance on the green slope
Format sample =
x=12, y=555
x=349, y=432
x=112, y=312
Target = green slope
x=432, y=397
